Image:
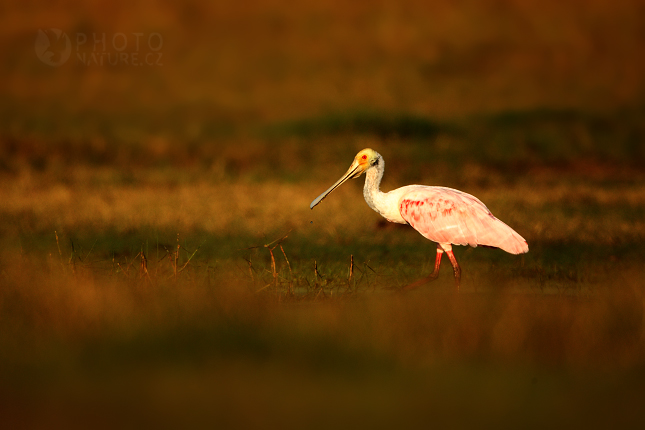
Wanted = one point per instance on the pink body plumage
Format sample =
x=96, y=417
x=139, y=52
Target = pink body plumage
x=448, y=216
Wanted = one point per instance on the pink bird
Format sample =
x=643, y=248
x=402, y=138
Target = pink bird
x=443, y=215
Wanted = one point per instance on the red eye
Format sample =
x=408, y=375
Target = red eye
x=364, y=157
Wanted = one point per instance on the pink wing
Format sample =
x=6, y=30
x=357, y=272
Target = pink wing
x=444, y=215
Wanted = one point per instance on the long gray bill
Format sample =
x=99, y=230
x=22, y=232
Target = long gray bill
x=350, y=173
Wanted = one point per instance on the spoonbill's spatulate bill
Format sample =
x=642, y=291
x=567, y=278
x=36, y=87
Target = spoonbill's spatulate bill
x=443, y=215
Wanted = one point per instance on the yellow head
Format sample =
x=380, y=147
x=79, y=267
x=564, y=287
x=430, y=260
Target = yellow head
x=363, y=161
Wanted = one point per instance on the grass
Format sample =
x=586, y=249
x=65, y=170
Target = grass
x=159, y=264
x=84, y=326
x=89, y=336
x=85, y=329
x=207, y=345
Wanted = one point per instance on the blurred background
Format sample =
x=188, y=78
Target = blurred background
x=208, y=73
x=152, y=152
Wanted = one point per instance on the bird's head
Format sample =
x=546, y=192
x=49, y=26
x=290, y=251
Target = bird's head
x=364, y=160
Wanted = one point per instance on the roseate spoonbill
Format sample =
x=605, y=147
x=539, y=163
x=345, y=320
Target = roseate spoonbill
x=443, y=215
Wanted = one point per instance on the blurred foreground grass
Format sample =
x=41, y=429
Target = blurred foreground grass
x=88, y=347
x=534, y=107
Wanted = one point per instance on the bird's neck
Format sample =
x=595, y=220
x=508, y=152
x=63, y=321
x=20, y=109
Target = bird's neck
x=371, y=191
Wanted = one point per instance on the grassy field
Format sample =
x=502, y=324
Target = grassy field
x=160, y=265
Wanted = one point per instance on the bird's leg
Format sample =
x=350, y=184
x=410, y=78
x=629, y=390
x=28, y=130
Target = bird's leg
x=434, y=275
x=455, y=267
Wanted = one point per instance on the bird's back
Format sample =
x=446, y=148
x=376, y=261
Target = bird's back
x=449, y=216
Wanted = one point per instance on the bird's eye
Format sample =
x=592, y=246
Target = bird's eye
x=364, y=157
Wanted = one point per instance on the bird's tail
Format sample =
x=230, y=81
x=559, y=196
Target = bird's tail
x=513, y=243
